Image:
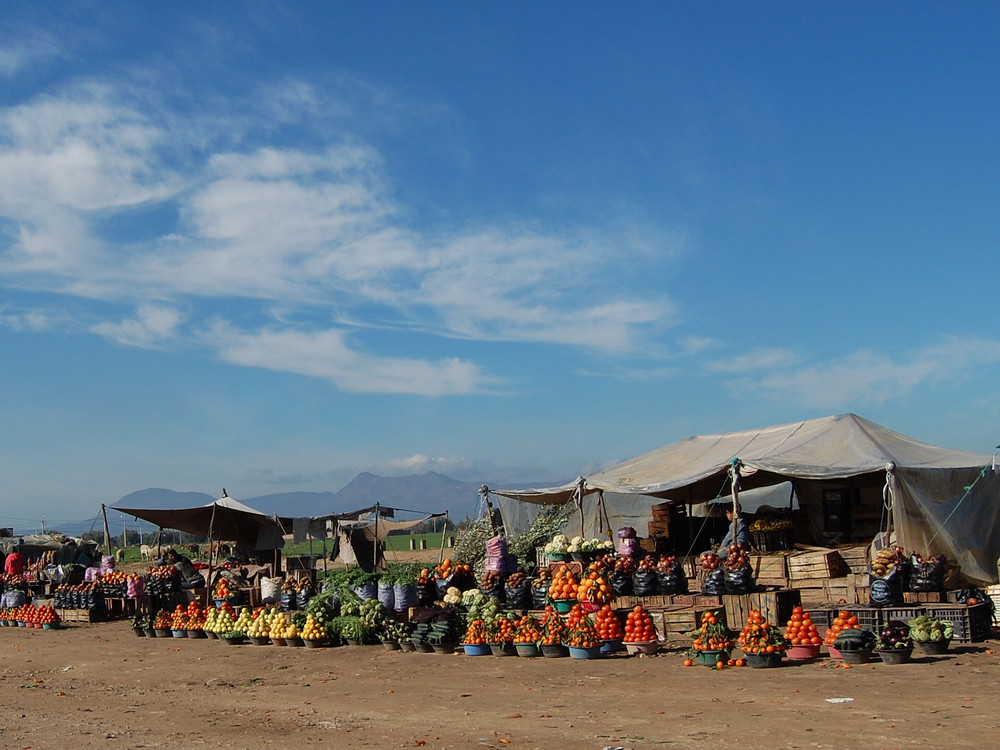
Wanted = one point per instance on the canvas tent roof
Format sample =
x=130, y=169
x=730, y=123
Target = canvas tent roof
x=224, y=518
x=926, y=482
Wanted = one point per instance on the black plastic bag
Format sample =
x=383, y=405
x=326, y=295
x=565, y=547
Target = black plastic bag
x=427, y=594
x=645, y=583
x=495, y=592
x=927, y=575
x=519, y=596
x=539, y=596
x=621, y=584
x=714, y=583
x=739, y=580
x=672, y=583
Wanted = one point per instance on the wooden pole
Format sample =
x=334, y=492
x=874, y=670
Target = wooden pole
x=736, y=496
x=107, y=531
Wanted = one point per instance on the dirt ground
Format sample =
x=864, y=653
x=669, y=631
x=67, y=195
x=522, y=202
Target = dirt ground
x=99, y=685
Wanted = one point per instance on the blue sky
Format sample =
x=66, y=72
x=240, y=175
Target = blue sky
x=268, y=245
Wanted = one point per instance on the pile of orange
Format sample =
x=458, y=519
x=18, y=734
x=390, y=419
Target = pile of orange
x=639, y=626
x=564, y=583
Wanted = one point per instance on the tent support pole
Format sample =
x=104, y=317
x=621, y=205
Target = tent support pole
x=444, y=532
x=211, y=537
x=107, y=532
x=736, y=496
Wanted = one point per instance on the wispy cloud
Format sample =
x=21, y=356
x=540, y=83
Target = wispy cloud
x=26, y=51
x=326, y=354
x=313, y=230
x=868, y=376
x=152, y=326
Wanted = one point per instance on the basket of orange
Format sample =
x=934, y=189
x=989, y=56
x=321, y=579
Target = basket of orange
x=763, y=645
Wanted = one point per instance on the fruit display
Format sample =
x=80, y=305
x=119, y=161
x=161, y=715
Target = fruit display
x=162, y=620
x=528, y=630
x=770, y=524
x=195, y=616
x=564, y=584
x=476, y=633
x=639, y=626
x=501, y=630
x=580, y=630
x=709, y=561
x=112, y=583
x=843, y=621
x=713, y=635
x=736, y=557
x=609, y=626
x=552, y=626
x=179, y=618
x=222, y=589
x=594, y=587
x=800, y=629
x=624, y=564
x=760, y=637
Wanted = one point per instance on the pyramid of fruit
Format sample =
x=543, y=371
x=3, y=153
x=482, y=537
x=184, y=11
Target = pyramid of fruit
x=609, y=627
x=639, y=626
x=553, y=627
x=313, y=629
x=564, y=584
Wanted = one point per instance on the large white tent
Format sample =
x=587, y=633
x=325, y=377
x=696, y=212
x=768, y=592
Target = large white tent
x=942, y=501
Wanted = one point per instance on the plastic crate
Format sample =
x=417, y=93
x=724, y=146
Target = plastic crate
x=822, y=618
x=971, y=624
x=904, y=614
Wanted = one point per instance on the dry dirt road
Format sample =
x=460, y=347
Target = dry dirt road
x=99, y=686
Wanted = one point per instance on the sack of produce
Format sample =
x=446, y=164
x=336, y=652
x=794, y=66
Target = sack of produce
x=517, y=591
x=927, y=575
x=492, y=586
x=888, y=569
x=540, y=592
x=270, y=589
x=621, y=584
x=714, y=583
x=645, y=581
x=386, y=595
x=405, y=595
x=366, y=591
x=670, y=576
x=739, y=580
x=427, y=593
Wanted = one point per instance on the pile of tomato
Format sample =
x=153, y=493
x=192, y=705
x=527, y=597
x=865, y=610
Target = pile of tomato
x=800, y=630
x=639, y=626
x=609, y=627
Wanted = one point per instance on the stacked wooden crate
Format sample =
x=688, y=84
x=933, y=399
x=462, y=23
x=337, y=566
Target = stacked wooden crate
x=810, y=572
x=770, y=570
x=660, y=525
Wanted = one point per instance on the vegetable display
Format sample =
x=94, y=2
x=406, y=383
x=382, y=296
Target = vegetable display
x=895, y=635
x=924, y=629
x=843, y=620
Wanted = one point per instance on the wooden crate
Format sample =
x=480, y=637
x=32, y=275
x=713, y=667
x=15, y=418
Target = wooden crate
x=675, y=623
x=844, y=590
x=855, y=557
x=775, y=606
x=815, y=565
x=769, y=566
x=925, y=597
x=79, y=615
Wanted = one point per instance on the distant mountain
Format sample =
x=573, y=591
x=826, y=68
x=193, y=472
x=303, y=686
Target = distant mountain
x=423, y=493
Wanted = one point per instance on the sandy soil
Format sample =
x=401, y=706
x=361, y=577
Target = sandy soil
x=90, y=686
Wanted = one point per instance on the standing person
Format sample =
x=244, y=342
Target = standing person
x=14, y=564
x=190, y=577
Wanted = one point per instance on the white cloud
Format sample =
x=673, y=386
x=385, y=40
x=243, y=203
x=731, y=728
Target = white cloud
x=30, y=320
x=756, y=361
x=26, y=52
x=325, y=354
x=421, y=464
x=315, y=230
x=873, y=377
x=151, y=326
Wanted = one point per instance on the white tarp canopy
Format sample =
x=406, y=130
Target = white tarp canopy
x=926, y=483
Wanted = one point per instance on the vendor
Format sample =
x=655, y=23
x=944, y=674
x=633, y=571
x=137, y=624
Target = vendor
x=14, y=564
x=738, y=532
x=190, y=577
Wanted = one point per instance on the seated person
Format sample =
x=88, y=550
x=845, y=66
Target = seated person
x=190, y=577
